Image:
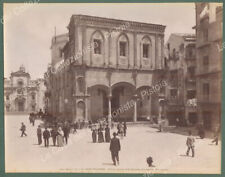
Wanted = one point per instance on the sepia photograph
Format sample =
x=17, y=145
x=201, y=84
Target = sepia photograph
x=113, y=87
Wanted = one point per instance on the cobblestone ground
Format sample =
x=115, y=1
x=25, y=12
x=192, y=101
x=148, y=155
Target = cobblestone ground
x=167, y=149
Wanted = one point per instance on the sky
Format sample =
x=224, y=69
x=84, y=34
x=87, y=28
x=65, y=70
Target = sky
x=28, y=28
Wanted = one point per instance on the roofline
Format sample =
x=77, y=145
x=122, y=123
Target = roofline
x=85, y=17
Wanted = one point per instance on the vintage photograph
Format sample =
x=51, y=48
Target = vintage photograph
x=113, y=87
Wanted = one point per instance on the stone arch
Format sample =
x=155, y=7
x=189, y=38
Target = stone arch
x=80, y=113
x=98, y=101
x=122, y=101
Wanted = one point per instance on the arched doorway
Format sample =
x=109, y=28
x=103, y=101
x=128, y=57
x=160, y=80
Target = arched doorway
x=143, y=103
x=20, y=104
x=80, y=110
x=98, y=102
x=122, y=100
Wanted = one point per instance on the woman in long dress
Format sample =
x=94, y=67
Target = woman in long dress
x=107, y=134
x=100, y=136
x=60, y=136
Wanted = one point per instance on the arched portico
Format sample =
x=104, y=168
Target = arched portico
x=122, y=101
x=98, y=102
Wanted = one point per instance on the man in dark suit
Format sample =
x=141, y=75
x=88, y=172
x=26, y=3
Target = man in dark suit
x=46, y=135
x=54, y=135
x=115, y=148
x=66, y=131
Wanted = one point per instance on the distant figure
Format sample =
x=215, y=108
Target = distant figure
x=30, y=118
x=120, y=129
x=46, y=135
x=23, y=129
x=190, y=144
x=33, y=119
x=94, y=135
x=60, y=136
x=39, y=134
x=177, y=121
x=124, y=128
x=75, y=127
x=54, y=135
x=66, y=131
x=100, y=136
x=115, y=148
x=107, y=134
x=216, y=136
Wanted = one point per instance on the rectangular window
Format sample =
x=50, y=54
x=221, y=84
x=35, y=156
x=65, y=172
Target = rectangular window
x=205, y=63
x=191, y=72
x=145, y=50
x=33, y=97
x=97, y=46
x=205, y=35
x=206, y=90
x=123, y=49
x=173, y=92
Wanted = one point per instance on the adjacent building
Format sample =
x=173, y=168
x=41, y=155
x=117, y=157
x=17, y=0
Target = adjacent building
x=181, y=90
x=209, y=27
x=23, y=95
x=103, y=67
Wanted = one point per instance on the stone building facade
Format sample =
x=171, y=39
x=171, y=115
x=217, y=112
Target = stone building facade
x=105, y=65
x=23, y=95
x=209, y=27
x=181, y=90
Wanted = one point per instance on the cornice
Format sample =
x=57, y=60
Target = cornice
x=116, y=23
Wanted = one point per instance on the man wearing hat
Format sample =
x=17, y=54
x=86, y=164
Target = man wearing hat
x=115, y=148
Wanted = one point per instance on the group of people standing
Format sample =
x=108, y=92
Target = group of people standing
x=99, y=128
x=59, y=135
x=97, y=134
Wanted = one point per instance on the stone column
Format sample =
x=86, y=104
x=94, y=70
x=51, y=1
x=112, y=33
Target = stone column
x=135, y=49
x=135, y=108
x=86, y=109
x=109, y=108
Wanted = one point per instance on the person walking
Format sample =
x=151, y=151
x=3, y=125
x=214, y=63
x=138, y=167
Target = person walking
x=115, y=148
x=107, y=134
x=39, y=135
x=46, y=135
x=54, y=135
x=23, y=129
x=190, y=144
